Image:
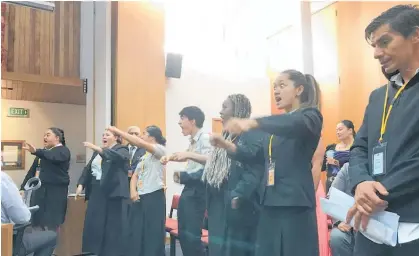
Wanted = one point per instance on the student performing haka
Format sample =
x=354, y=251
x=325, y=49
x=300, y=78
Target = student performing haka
x=147, y=216
x=232, y=184
x=192, y=200
x=288, y=214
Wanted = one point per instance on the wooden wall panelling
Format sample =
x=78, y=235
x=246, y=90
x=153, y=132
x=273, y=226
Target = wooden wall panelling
x=43, y=92
x=44, y=43
x=140, y=88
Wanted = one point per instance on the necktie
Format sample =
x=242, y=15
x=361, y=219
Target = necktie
x=132, y=149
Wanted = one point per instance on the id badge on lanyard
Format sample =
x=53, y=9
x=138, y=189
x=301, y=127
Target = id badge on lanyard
x=38, y=168
x=379, y=159
x=271, y=165
x=140, y=183
x=379, y=152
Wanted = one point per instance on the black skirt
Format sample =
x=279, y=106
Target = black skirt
x=227, y=236
x=52, y=202
x=287, y=231
x=147, y=225
x=105, y=225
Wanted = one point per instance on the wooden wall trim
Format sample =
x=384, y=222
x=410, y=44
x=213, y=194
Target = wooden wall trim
x=43, y=79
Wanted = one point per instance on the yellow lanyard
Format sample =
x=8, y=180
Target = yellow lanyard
x=386, y=115
x=270, y=149
x=143, y=163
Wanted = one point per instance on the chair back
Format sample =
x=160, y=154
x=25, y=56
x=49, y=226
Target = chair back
x=31, y=185
x=175, y=204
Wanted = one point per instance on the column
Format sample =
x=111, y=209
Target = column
x=95, y=66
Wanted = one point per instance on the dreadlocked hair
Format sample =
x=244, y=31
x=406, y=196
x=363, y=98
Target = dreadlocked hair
x=218, y=165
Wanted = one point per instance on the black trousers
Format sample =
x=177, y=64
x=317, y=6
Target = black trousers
x=190, y=220
x=365, y=247
x=287, y=231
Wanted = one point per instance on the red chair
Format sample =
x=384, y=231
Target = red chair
x=171, y=224
x=172, y=227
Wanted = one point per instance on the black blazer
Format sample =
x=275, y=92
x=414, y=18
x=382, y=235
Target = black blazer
x=295, y=139
x=114, y=182
x=402, y=155
x=243, y=182
x=136, y=158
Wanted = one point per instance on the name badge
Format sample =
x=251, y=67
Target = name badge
x=37, y=171
x=379, y=159
x=271, y=174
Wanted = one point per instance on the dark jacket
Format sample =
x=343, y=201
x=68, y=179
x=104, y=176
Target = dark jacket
x=402, y=156
x=243, y=182
x=54, y=166
x=114, y=182
x=136, y=158
x=295, y=139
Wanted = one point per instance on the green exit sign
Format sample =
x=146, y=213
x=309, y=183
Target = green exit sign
x=18, y=112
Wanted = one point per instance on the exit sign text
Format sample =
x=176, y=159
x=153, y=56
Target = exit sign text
x=18, y=112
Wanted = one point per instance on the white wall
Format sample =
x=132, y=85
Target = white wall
x=208, y=93
x=70, y=118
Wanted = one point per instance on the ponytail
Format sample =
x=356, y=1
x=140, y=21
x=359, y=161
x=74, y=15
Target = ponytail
x=155, y=131
x=310, y=97
x=314, y=99
x=350, y=125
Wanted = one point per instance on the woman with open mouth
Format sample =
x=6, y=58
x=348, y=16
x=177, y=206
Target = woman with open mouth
x=288, y=203
x=105, y=182
x=51, y=165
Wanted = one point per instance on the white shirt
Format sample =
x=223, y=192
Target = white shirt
x=150, y=171
x=407, y=231
x=200, y=144
x=97, y=167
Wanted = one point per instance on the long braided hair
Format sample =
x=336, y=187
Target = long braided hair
x=218, y=165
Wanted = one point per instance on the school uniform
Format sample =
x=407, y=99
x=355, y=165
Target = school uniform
x=106, y=187
x=288, y=213
x=192, y=200
x=232, y=232
x=52, y=165
x=147, y=216
x=399, y=173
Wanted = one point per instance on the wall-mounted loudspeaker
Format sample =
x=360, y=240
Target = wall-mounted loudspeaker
x=173, y=65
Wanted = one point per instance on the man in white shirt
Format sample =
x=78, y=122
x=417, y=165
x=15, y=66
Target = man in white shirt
x=14, y=210
x=192, y=201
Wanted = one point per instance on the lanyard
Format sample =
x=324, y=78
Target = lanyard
x=270, y=149
x=143, y=163
x=386, y=115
